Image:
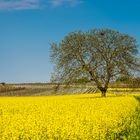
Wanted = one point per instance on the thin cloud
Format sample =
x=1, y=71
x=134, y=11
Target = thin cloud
x=56, y=3
x=35, y=4
x=19, y=4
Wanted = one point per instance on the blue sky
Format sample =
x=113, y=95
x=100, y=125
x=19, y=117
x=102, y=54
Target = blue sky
x=27, y=27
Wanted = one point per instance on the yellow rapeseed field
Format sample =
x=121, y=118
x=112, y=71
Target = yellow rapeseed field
x=73, y=117
x=124, y=89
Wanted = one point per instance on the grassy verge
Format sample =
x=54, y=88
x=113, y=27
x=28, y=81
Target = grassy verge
x=132, y=132
x=135, y=126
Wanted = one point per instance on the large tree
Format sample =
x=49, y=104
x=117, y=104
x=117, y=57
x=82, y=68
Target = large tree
x=99, y=55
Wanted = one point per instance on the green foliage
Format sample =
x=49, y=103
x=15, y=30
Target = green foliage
x=82, y=80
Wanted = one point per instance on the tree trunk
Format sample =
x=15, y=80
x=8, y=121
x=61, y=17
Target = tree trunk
x=103, y=91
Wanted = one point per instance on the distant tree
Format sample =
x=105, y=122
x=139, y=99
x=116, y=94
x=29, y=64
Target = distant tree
x=101, y=55
x=136, y=81
x=128, y=79
x=82, y=80
x=3, y=83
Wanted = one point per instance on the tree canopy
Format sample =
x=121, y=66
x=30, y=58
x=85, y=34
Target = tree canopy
x=100, y=55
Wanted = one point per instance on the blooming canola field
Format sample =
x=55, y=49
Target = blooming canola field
x=71, y=117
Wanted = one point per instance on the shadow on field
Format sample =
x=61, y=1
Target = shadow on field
x=100, y=97
x=88, y=97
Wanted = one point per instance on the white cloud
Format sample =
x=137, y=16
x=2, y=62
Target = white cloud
x=19, y=4
x=35, y=4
